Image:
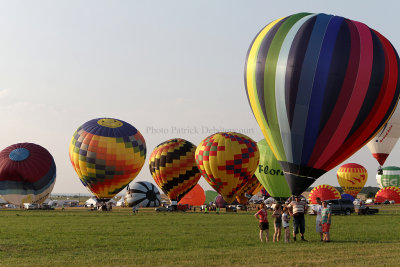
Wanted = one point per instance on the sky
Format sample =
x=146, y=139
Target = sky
x=170, y=68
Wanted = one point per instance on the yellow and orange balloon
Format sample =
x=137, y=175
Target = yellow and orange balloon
x=227, y=161
x=173, y=167
x=352, y=178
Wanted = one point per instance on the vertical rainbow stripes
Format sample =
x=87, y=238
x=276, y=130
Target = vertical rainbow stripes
x=320, y=87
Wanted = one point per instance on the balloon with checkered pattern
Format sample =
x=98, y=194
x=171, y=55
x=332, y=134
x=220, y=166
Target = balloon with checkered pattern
x=227, y=161
x=107, y=154
x=173, y=167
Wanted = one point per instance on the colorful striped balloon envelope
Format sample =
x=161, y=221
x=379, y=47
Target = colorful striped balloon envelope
x=324, y=192
x=320, y=87
x=107, y=154
x=173, y=167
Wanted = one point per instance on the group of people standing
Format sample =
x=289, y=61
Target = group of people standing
x=296, y=209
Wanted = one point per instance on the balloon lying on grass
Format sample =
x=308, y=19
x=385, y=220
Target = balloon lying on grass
x=390, y=176
x=27, y=173
x=142, y=194
x=324, y=192
x=270, y=173
x=227, y=161
x=107, y=154
x=382, y=144
x=174, y=168
x=388, y=193
x=352, y=178
x=195, y=197
x=320, y=87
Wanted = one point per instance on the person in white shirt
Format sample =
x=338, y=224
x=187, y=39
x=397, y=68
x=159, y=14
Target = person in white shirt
x=317, y=209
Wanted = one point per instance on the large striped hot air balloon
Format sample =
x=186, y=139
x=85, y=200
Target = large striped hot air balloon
x=352, y=178
x=390, y=176
x=107, y=154
x=227, y=161
x=27, y=173
x=320, y=87
x=270, y=173
x=324, y=192
x=382, y=144
x=174, y=168
x=388, y=193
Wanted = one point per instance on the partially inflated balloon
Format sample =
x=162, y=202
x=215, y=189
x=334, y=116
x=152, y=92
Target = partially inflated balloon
x=27, y=174
x=227, y=161
x=174, y=168
x=107, y=154
x=320, y=87
x=390, y=177
x=347, y=196
x=195, y=197
x=143, y=194
x=270, y=173
x=352, y=178
x=382, y=144
x=324, y=192
x=388, y=193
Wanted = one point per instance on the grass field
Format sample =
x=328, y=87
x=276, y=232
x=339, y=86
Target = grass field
x=78, y=237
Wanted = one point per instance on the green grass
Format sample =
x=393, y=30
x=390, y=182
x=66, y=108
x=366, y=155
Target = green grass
x=79, y=237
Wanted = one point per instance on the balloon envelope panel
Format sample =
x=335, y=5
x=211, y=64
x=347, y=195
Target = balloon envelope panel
x=173, y=167
x=107, y=154
x=347, y=196
x=390, y=177
x=320, y=87
x=227, y=161
x=270, y=173
x=324, y=192
x=143, y=194
x=352, y=178
x=27, y=173
x=195, y=197
x=388, y=193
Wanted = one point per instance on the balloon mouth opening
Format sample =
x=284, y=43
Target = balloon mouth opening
x=300, y=177
x=19, y=154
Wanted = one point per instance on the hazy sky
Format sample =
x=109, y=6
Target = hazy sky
x=162, y=66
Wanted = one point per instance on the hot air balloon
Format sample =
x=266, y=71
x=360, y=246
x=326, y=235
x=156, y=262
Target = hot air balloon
x=382, y=144
x=390, y=177
x=195, y=197
x=270, y=174
x=388, y=193
x=142, y=194
x=324, y=192
x=107, y=154
x=352, y=178
x=220, y=201
x=27, y=174
x=173, y=167
x=320, y=87
x=227, y=161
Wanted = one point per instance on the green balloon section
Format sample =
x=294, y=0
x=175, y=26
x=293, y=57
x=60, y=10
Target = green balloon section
x=270, y=173
x=210, y=196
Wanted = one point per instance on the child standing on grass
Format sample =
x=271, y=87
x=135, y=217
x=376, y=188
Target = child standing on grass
x=326, y=221
x=262, y=217
x=285, y=224
x=277, y=222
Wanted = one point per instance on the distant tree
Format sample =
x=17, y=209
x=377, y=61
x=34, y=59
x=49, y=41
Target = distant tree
x=370, y=194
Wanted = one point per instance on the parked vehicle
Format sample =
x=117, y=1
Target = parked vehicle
x=341, y=206
x=167, y=208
